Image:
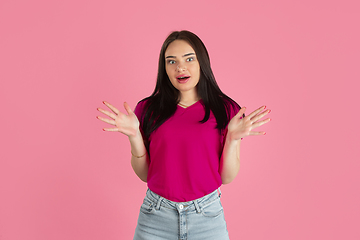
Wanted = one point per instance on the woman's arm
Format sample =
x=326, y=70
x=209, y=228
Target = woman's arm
x=238, y=128
x=130, y=126
x=230, y=160
x=139, y=156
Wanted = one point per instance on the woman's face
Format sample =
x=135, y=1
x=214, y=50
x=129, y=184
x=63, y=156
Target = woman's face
x=182, y=66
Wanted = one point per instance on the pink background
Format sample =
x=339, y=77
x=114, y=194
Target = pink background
x=62, y=177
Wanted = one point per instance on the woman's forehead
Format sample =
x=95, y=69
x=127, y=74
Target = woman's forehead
x=178, y=48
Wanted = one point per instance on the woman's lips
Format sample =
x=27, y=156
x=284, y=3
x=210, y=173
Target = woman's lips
x=183, y=78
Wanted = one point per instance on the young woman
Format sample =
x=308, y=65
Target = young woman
x=185, y=142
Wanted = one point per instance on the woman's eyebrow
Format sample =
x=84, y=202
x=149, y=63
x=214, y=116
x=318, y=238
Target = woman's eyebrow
x=188, y=54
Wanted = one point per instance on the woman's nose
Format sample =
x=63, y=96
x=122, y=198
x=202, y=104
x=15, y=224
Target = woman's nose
x=181, y=67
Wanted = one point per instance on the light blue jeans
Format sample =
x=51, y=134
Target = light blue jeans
x=162, y=219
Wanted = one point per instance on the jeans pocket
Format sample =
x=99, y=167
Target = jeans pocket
x=214, y=209
x=147, y=207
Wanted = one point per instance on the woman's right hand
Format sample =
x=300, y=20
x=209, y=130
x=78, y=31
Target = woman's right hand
x=126, y=124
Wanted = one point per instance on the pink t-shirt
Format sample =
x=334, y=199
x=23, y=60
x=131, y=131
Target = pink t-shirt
x=185, y=154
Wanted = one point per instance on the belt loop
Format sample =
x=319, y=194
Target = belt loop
x=219, y=192
x=197, y=206
x=158, y=203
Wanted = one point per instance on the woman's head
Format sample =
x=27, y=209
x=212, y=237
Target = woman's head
x=162, y=103
x=164, y=83
x=182, y=67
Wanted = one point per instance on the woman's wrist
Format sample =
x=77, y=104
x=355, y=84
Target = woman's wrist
x=138, y=149
x=136, y=156
x=230, y=140
x=136, y=136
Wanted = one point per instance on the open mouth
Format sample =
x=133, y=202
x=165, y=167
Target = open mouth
x=182, y=78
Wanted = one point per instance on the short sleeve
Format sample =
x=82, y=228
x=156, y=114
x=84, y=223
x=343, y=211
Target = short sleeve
x=139, y=109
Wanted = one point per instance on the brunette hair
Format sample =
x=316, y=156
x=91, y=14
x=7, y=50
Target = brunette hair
x=162, y=103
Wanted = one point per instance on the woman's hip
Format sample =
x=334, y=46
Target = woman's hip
x=201, y=218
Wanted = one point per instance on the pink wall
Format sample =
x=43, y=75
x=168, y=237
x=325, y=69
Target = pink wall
x=62, y=177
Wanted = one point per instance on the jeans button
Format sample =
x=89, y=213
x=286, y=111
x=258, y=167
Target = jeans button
x=181, y=206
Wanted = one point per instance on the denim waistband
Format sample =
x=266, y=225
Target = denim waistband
x=190, y=205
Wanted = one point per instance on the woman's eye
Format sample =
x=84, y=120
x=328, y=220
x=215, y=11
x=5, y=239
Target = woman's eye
x=171, y=61
x=190, y=59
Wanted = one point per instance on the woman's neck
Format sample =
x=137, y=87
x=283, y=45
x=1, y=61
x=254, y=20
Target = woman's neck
x=188, y=98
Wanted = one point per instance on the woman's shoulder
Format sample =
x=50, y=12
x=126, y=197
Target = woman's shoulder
x=141, y=106
x=142, y=102
x=231, y=106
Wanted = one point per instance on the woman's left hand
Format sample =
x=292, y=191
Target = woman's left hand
x=242, y=127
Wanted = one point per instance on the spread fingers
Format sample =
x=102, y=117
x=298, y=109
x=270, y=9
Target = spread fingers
x=114, y=109
x=107, y=113
x=258, y=124
x=112, y=122
x=256, y=112
x=260, y=115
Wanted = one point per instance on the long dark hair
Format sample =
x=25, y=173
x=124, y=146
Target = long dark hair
x=162, y=103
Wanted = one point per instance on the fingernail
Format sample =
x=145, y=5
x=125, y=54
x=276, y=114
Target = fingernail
x=264, y=107
x=269, y=111
x=103, y=102
x=264, y=133
x=103, y=129
x=97, y=117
